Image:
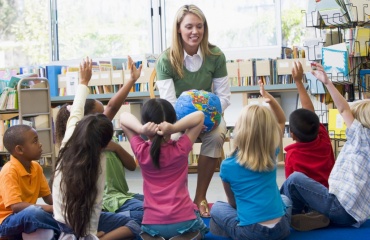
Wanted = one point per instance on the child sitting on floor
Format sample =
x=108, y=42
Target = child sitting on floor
x=312, y=154
x=346, y=202
x=20, y=216
x=255, y=209
x=168, y=209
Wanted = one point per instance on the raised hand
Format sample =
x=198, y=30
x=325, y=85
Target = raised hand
x=85, y=71
x=297, y=71
x=263, y=92
x=135, y=72
x=320, y=74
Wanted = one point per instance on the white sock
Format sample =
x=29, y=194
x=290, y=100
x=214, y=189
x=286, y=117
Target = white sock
x=39, y=234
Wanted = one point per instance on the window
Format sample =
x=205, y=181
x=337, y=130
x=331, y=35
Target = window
x=24, y=33
x=38, y=31
x=241, y=28
x=102, y=29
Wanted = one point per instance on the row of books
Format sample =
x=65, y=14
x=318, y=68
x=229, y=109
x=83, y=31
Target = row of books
x=9, y=99
x=107, y=81
x=270, y=71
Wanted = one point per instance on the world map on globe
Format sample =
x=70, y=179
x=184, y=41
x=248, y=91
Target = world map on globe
x=199, y=100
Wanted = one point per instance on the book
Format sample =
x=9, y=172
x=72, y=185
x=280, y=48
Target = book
x=335, y=62
x=336, y=126
x=151, y=59
x=52, y=72
x=315, y=86
x=12, y=102
x=312, y=14
x=4, y=98
x=358, y=10
x=71, y=82
x=361, y=43
x=332, y=12
x=119, y=63
x=314, y=48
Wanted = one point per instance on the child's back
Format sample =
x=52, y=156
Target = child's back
x=164, y=164
x=312, y=154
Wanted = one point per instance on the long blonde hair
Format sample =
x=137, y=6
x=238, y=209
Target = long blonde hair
x=177, y=49
x=257, y=136
x=361, y=111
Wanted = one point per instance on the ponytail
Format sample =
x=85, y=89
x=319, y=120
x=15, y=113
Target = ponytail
x=155, y=150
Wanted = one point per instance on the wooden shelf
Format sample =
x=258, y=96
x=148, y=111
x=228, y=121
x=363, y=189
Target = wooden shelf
x=138, y=96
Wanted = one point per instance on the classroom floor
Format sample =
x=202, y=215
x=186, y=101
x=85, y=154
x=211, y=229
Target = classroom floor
x=215, y=190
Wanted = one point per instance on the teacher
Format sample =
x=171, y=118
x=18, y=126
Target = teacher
x=193, y=63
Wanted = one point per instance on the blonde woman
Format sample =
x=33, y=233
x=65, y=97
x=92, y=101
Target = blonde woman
x=193, y=63
x=255, y=209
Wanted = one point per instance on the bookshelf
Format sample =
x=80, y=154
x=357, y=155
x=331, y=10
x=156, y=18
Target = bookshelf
x=34, y=108
x=343, y=30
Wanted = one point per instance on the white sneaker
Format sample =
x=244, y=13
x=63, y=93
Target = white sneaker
x=67, y=236
x=39, y=234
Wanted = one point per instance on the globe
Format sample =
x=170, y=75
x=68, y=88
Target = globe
x=199, y=100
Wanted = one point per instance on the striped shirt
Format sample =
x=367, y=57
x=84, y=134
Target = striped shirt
x=349, y=180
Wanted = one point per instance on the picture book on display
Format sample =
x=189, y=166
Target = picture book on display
x=335, y=62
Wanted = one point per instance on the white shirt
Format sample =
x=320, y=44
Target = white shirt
x=193, y=63
x=77, y=113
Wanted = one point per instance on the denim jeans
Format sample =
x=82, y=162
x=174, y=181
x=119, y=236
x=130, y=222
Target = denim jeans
x=108, y=222
x=133, y=208
x=27, y=221
x=224, y=223
x=171, y=230
x=307, y=193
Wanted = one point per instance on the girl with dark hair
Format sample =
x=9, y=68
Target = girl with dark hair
x=79, y=176
x=168, y=209
x=116, y=198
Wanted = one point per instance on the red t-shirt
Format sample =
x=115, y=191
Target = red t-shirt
x=315, y=159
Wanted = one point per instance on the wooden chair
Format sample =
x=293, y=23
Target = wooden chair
x=192, y=169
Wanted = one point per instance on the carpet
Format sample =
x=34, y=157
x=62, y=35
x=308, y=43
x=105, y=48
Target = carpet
x=336, y=233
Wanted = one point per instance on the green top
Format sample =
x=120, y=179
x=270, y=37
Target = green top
x=116, y=191
x=213, y=66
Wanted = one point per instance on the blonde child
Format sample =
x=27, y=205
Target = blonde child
x=255, y=209
x=346, y=202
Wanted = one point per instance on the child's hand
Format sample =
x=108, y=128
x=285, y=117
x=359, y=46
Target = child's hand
x=85, y=71
x=297, y=71
x=135, y=72
x=165, y=128
x=149, y=129
x=320, y=74
x=263, y=91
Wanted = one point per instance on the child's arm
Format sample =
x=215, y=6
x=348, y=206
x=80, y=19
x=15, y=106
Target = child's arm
x=127, y=160
x=275, y=106
x=77, y=109
x=229, y=194
x=118, y=99
x=131, y=126
x=339, y=100
x=297, y=73
x=17, y=207
x=192, y=124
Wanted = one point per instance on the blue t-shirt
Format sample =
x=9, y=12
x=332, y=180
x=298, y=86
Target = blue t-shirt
x=256, y=194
